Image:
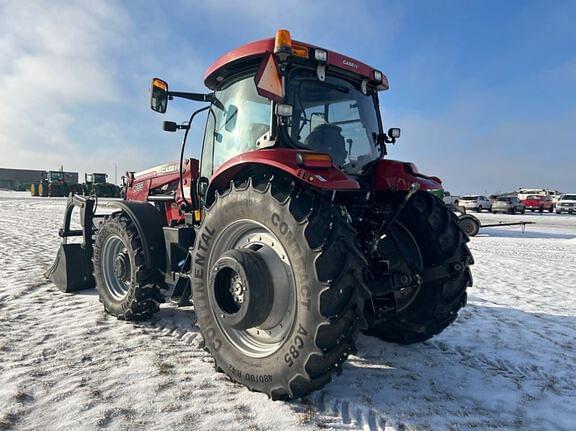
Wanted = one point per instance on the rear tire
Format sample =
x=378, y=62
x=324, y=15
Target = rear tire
x=324, y=263
x=127, y=289
x=437, y=303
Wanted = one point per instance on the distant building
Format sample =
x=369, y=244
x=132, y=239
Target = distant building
x=19, y=179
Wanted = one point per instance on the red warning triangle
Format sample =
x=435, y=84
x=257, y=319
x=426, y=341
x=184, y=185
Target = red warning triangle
x=268, y=80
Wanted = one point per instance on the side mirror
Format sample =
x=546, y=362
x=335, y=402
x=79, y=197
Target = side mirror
x=169, y=126
x=394, y=133
x=159, y=95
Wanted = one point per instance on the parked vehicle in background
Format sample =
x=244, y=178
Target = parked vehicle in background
x=56, y=184
x=451, y=200
x=510, y=205
x=566, y=204
x=538, y=203
x=555, y=195
x=476, y=203
x=97, y=184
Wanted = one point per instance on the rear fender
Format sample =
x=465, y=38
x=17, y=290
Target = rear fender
x=283, y=160
x=393, y=175
x=149, y=223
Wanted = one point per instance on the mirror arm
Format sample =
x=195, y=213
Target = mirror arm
x=199, y=97
x=389, y=140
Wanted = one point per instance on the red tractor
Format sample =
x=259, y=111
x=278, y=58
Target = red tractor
x=291, y=233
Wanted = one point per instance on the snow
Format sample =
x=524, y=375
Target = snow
x=508, y=362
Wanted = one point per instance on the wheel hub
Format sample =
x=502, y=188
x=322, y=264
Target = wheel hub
x=122, y=266
x=243, y=289
x=237, y=290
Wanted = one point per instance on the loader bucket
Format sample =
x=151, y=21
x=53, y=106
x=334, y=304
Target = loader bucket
x=72, y=270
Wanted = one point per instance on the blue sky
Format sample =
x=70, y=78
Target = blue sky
x=485, y=92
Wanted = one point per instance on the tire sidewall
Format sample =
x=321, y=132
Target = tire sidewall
x=275, y=370
x=112, y=227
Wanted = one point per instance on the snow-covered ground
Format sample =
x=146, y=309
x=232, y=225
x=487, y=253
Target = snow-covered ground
x=509, y=361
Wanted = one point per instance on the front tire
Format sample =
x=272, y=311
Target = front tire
x=295, y=231
x=127, y=288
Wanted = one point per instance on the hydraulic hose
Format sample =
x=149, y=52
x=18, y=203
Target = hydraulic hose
x=183, y=148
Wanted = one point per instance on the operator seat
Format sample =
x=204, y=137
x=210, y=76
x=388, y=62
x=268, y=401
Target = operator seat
x=326, y=138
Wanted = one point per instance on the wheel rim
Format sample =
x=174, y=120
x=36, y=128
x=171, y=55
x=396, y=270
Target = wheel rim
x=116, y=267
x=468, y=226
x=409, y=250
x=270, y=335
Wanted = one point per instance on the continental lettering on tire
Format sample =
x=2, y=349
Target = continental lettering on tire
x=296, y=346
x=203, y=243
x=200, y=282
x=286, y=232
x=291, y=243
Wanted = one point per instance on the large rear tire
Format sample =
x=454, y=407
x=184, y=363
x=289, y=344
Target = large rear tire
x=305, y=252
x=34, y=189
x=127, y=289
x=441, y=242
x=43, y=189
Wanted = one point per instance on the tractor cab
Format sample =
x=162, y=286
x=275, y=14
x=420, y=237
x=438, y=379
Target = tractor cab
x=284, y=94
x=55, y=176
x=95, y=178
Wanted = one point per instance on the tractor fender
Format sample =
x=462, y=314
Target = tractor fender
x=396, y=175
x=149, y=223
x=285, y=160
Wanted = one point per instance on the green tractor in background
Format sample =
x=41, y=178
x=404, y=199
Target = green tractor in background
x=56, y=184
x=97, y=184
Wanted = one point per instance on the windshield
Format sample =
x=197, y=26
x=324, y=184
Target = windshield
x=469, y=198
x=503, y=200
x=237, y=119
x=56, y=175
x=569, y=198
x=333, y=117
x=99, y=178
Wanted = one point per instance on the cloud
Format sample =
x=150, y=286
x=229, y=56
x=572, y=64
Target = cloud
x=55, y=57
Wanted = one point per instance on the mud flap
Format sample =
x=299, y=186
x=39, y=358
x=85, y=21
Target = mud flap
x=72, y=270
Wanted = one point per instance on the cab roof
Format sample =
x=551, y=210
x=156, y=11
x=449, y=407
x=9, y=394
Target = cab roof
x=253, y=51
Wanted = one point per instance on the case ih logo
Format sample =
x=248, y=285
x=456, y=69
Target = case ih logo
x=350, y=64
x=168, y=168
